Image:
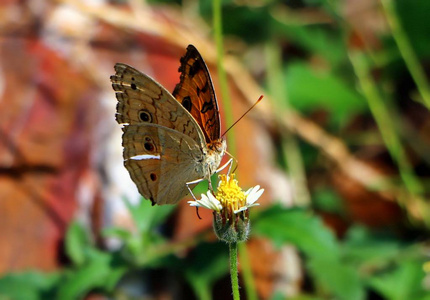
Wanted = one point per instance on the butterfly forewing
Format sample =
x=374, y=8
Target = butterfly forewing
x=142, y=100
x=196, y=94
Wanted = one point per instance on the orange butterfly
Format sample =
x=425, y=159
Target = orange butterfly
x=171, y=142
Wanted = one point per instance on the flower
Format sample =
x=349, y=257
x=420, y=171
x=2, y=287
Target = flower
x=230, y=205
x=208, y=201
x=230, y=196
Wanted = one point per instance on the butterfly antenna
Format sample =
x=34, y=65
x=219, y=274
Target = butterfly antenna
x=249, y=109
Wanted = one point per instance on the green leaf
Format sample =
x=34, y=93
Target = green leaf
x=317, y=40
x=341, y=279
x=76, y=242
x=28, y=285
x=327, y=200
x=404, y=282
x=280, y=296
x=147, y=216
x=89, y=276
x=308, y=234
x=414, y=19
x=309, y=89
x=117, y=232
x=298, y=227
x=238, y=19
x=207, y=263
x=367, y=250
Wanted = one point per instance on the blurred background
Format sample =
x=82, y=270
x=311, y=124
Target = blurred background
x=340, y=143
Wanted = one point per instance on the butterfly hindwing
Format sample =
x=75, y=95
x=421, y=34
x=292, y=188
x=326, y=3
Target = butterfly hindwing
x=196, y=94
x=160, y=161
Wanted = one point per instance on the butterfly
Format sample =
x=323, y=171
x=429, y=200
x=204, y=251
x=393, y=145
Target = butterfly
x=170, y=142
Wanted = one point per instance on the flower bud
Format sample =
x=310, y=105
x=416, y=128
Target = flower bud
x=231, y=227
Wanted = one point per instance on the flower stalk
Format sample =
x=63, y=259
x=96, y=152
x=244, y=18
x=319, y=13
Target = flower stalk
x=234, y=274
x=231, y=224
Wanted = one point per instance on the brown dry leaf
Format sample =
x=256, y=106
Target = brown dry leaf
x=46, y=128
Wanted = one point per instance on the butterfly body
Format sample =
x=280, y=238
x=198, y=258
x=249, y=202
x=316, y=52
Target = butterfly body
x=169, y=140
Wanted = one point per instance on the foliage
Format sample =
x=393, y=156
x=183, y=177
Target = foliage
x=368, y=97
x=349, y=269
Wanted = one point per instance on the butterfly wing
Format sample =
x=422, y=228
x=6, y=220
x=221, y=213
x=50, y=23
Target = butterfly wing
x=196, y=94
x=161, y=161
x=141, y=100
x=162, y=142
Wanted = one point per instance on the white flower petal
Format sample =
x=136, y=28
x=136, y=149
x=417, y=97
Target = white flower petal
x=252, y=190
x=240, y=209
x=216, y=205
x=209, y=202
x=246, y=207
x=252, y=205
x=205, y=200
x=253, y=196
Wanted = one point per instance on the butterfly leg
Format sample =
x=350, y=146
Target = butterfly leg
x=192, y=194
x=191, y=183
x=229, y=162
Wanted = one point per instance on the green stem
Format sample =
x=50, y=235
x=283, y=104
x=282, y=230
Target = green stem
x=222, y=76
x=407, y=52
x=251, y=293
x=233, y=270
x=290, y=148
x=385, y=123
x=414, y=201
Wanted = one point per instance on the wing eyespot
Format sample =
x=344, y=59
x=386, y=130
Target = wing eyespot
x=149, y=144
x=153, y=176
x=145, y=116
x=149, y=147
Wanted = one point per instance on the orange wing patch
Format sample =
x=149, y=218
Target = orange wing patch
x=196, y=93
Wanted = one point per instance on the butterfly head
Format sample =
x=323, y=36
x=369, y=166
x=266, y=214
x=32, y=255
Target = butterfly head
x=219, y=146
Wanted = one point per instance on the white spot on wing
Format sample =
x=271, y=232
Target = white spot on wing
x=145, y=156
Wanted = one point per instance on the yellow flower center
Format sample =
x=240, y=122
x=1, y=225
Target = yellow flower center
x=230, y=194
